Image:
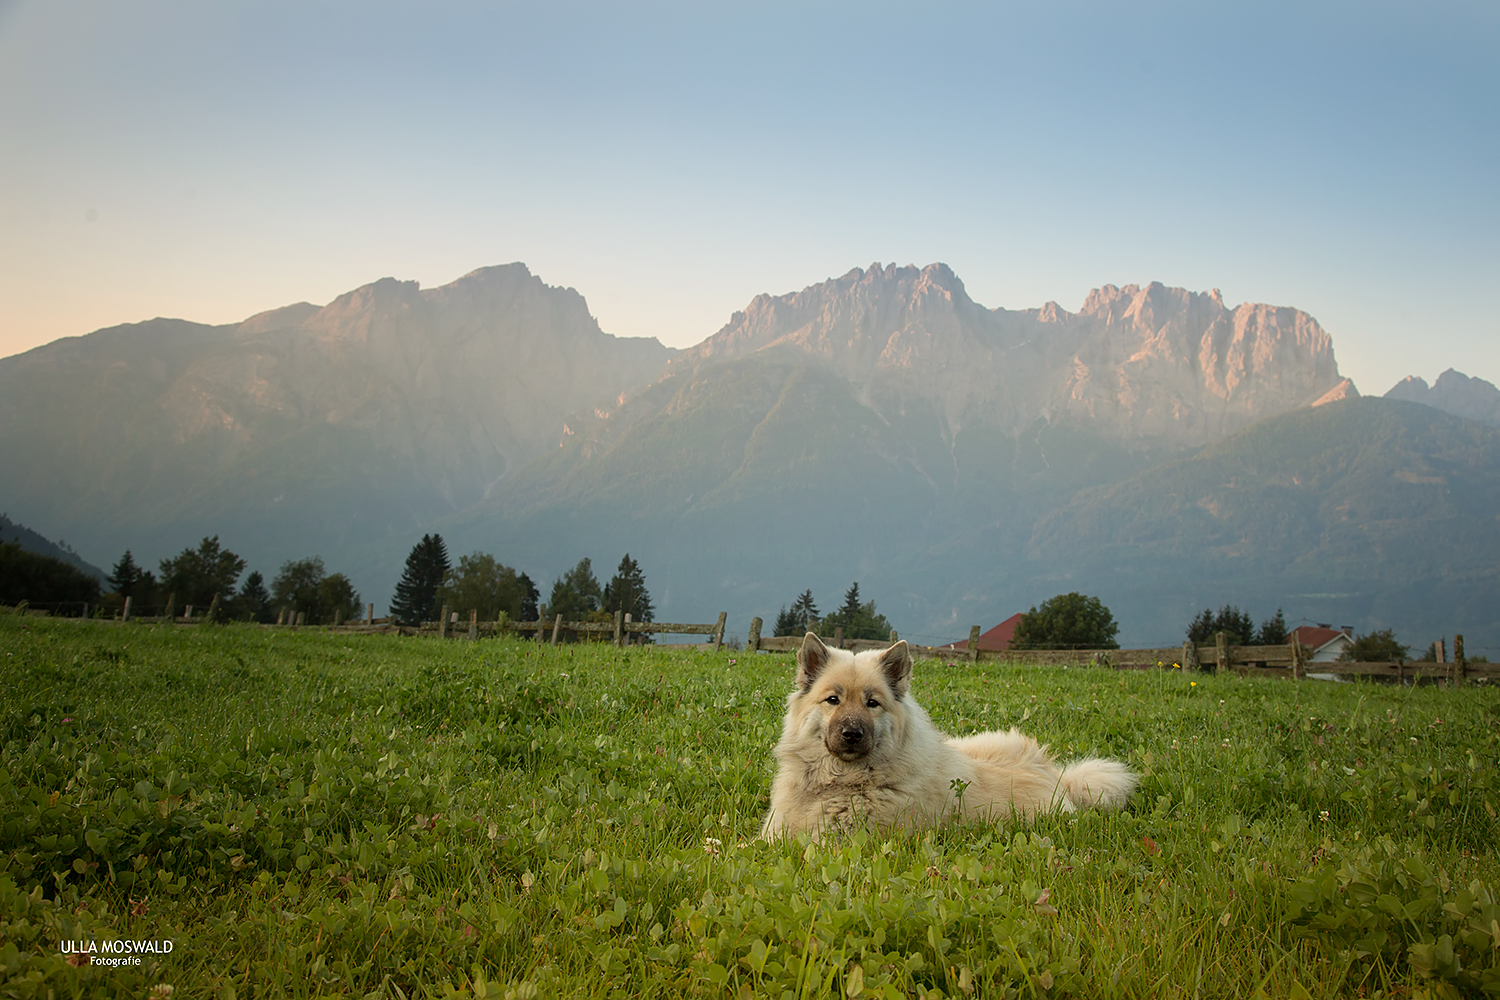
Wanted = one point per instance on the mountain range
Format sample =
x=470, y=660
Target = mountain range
x=960, y=462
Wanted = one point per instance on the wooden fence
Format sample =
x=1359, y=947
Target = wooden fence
x=618, y=631
x=1288, y=661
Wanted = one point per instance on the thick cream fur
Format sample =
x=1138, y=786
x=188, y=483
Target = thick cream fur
x=907, y=777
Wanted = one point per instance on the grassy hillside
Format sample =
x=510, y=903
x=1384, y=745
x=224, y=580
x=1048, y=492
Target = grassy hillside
x=305, y=814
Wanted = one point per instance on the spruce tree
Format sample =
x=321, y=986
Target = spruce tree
x=416, y=592
x=1238, y=627
x=254, y=601
x=529, y=598
x=576, y=594
x=125, y=576
x=1273, y=631
x=626, y=591
x=850, y=610
x=786, y=622
x=805, y=612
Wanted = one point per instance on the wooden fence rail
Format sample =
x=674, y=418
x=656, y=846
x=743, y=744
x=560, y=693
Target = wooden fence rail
x=1289, y=660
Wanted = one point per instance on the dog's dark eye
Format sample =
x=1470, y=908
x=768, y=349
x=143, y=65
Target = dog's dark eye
x=832, y=699
x=872, y=703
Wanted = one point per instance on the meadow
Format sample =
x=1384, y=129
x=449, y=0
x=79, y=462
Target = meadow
x=308, y=814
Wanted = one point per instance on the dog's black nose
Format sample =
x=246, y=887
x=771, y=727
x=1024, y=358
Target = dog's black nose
x=853, y=734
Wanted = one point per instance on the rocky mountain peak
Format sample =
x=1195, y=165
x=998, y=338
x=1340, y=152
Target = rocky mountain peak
x=1453, y=392
x=1148, y=361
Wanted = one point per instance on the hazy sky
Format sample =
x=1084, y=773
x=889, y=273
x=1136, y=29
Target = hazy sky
x=672, y=160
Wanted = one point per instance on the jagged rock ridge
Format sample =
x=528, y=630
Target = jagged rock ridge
x=1136, y=362
x=1453, y=392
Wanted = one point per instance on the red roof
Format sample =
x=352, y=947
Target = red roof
x=1316, y=637
x=995, y=639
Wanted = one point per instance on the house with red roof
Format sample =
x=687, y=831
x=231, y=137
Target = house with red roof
x=996, y=639
x=1324, y=644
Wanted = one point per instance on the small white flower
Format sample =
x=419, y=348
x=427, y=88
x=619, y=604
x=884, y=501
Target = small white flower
x=1323, y=815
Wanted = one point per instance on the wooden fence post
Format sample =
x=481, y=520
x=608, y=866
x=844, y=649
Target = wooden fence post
x=838, y=637
x=443, y=623
x=541, y=625
x=1221, y=641
x=719, y=632
x=1299, y=656
x=556, y=629
x=1442, y=650
x=213, y=609
x=473, y=624
x=125, y=612
x=1458, y=660
x=894, y=637
x=973, y=646
x=1189, y=652
x=302, y=618
x=171, y=606
x=370, y=616
x=620, y=629
x=752, y=638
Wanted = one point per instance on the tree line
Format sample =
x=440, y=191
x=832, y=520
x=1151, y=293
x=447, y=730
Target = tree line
x=196, y=576
x=481, y=583
x=858, y=619
x=1375, y=646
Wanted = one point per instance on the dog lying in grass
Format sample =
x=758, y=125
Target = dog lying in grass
x=856, y=749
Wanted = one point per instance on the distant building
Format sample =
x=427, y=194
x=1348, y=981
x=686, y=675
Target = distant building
x=1324, y=643
x=996, y=639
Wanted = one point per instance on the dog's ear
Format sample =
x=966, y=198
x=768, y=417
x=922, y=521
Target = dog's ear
x=896, y=662
x=812, y=657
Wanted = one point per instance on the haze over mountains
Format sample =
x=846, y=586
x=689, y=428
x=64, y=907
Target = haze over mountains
x=1453, y=392
x=957, y=460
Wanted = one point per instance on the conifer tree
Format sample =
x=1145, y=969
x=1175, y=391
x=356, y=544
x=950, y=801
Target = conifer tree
x=850, y=610
x=576, y=594
x=1238, y=627
x=529, y=598
x=626, y=591
x=805, y=612
x=254, y=601
x=125, y=576
x=415, y=599
x=1273, y=631
x=859, y=621
x=786, y=622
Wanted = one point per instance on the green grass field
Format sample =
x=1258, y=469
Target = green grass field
x=306, y=814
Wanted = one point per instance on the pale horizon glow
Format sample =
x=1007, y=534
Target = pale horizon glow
x=670, y=161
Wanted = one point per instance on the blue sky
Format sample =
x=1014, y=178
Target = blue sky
x=672, y=160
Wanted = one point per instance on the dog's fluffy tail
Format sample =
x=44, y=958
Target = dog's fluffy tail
x=1099, y=782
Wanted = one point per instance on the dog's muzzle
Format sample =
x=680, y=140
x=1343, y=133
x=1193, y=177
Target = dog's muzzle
x=849, y=740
